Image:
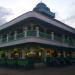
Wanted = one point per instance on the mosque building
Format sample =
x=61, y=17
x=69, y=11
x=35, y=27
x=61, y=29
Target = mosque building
x=36, y=37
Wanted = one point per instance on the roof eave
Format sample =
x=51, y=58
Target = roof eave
x=38, y=16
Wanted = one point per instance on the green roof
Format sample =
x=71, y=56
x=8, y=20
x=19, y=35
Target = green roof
x=42, y=8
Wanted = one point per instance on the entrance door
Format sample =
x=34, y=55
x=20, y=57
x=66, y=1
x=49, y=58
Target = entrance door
x=36, y=53
x=39, y=55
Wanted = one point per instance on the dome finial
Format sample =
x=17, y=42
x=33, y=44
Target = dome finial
x=43, y=9
x=41, y=1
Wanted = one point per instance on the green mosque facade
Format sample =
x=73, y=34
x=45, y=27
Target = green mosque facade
x=36, y=37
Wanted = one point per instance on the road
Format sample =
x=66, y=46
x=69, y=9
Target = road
x=68, y=70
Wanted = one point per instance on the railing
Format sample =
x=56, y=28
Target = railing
x=58, y=38
x=30, y=33
x=11, y=38
x=20, y=35
x=4, y=40
x=44, y=35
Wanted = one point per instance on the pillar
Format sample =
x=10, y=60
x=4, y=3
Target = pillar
x=25, y=32
x=52, y=35
x=50, y=53
x=1, y=39
x=59, y=54
x=15, y=35
x=32, y=26
x=23, y=54
x=68, y=39
x=73, y=42
x=63, y=38
x=37, y=29
x=64, y=53
x=7, y=37
x=9, y=54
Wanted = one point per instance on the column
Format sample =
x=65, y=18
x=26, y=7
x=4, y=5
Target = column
x=52, y=35
x=67, y=39
x=9, y=54
x=25, y=32
x=23, y=54
x=73, y=42
x=45, y=54
x=7, y=37
x=37, y=33
x=32, y=26
x=50, y=53
x=63, y=38
x=64, y=53
x=15, y=35
x=59, y=54
x=0, y=38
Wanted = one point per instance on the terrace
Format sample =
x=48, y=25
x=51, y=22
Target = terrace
x=41, y=37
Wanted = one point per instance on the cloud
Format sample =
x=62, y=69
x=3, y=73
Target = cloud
x=65, y=11
x=4, y=13
x=70, y=20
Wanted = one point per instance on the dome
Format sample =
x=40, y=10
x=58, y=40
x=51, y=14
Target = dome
x=42, y=8
x=40, y=4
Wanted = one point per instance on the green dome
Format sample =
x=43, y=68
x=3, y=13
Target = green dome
x=42, y=8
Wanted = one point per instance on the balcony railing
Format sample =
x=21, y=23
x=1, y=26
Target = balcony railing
x=20, y=35
x=45, y=35
x=33, y=33
x=11, y=38
x=4, y=40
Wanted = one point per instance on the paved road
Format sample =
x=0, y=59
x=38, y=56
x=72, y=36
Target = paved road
x=69, y=70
